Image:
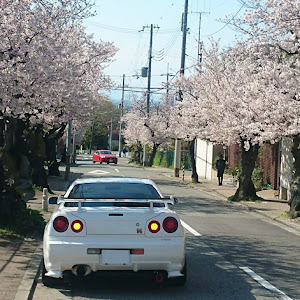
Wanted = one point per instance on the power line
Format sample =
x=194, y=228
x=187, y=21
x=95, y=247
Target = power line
x=129, y=30
x=227, y=23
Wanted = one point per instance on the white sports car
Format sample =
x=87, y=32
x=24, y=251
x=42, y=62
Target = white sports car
x=114, y=224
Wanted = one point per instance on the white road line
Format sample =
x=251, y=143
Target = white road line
x=265, y=283
x=117, y=170
x=99, y=172
x=190, y=229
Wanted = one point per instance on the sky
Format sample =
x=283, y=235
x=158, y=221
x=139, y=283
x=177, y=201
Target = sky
x=121, y=22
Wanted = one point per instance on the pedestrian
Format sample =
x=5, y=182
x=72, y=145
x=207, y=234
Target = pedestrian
x=124, y=152
x=220, y=164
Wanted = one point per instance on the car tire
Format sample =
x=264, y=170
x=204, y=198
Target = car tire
x=180, y=281
x=93, y=161
x=100, y=162
x=46, y=280
x=108, y=162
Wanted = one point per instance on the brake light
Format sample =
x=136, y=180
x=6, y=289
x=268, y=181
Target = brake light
x=170, y=224
x=77, y=226
x=60, y=224
x=137, y=251
x=154, y=226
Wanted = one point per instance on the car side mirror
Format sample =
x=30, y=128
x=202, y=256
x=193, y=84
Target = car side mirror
x=52, y=200
x=172, y=198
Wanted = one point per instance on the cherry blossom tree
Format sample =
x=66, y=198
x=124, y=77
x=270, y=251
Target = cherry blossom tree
x=184, y=121
x=151, y=129
x=50, y=71
x=272, y=31
x=250, y=93
x=238, y=100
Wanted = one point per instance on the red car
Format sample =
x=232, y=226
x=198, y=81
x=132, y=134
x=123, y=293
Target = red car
x=104, y=156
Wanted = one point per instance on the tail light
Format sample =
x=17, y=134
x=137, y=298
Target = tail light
x=170, y=224
x=60, y=224
x=154, y=226
x=77, y=226
x=137, y=251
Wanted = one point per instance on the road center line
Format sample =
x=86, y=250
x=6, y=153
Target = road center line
x=265, y=283
x=190, y=229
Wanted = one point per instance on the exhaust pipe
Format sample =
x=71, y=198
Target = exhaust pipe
x=81, y=270
x=159, y=277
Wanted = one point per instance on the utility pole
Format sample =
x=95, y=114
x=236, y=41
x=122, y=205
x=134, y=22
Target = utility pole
x=92, y=135
x=68, y=150
x=110, y=134
x=122, y=111
x=74, y=147
x=149, y=69
x=149, y=81
x=177, y=157
x=199, y=35
x=168, y=76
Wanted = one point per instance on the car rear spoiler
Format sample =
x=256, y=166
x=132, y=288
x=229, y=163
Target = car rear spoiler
x=166, y=200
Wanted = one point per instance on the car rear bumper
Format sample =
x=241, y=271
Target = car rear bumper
x=160, y=254
x=110, y=160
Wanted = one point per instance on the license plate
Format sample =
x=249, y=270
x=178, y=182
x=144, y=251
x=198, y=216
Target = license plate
x=115, y=257
x=111, y=160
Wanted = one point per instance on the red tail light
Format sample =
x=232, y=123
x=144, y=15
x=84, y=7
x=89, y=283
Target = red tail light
x=77, y=226
x=154, y=226
x=170, y=224
x=137, y=251
x=60, y=224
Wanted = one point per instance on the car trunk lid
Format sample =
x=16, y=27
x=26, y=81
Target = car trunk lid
x=116, y=221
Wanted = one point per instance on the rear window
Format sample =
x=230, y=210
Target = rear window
x=114, y=190
x=105, y=152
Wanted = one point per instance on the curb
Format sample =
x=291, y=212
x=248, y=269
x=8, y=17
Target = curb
x=27, y=286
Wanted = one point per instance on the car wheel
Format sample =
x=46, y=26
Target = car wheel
x=46, y=280
x=93, y=161
x=115, y=163
x=108, y=162
x=100, y=162
x=180, y=281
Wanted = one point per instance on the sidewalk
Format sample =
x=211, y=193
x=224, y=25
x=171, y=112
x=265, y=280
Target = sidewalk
x=16, y=254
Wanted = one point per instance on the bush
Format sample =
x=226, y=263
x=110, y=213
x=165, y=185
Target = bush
x=164, y=159
x=29, y=223
x=257, y=178
x=234, y=172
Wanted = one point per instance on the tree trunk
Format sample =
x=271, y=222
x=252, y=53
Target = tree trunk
x=152, y=155
x=294, y=202
x=33, y=147
x=195, y=178
x=246, y=190
x=11, y=203
x=51, y=140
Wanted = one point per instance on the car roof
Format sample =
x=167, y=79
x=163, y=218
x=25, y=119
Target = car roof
x=114, y=180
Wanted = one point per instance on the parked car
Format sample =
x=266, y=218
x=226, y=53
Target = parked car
x=104, y=156
x=114, y=224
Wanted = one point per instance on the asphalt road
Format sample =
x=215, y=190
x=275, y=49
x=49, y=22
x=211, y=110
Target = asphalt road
x=231, y=253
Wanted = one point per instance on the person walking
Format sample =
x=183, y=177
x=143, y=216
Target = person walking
x=221, y=165
x=124, y=152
